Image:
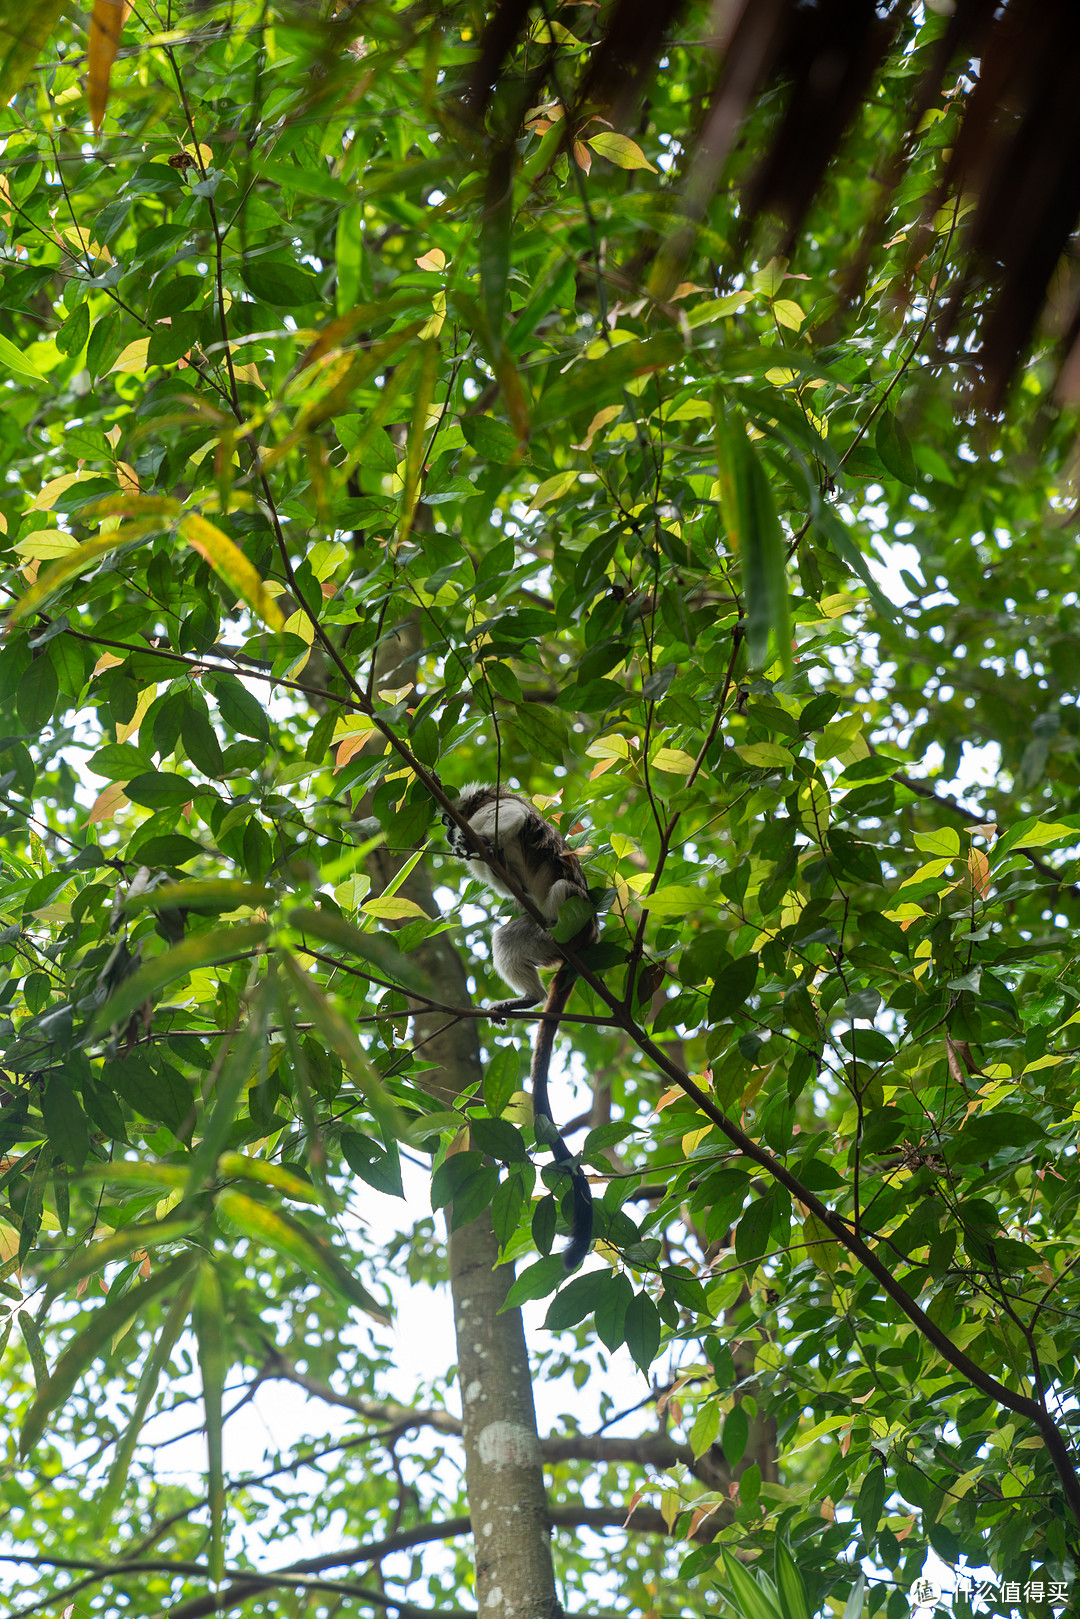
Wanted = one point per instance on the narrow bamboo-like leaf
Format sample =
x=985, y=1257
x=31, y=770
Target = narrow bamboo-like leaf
x=752, y=1600
x=57, y=574
x=148, y=1234
x=149, y=1379
x=35, y=1349
x=419, y=433
x=496, y=223
x=376, y=948
x=24, y=32
x=201, y=951
x=367, y=363
x=17, y=361
x=209, y=1315
x=230, y=564
x=133, y=505
x=162, y=1177
x=340, y=1036
x=277, y=1230
x=234, y=1164
x=789, y=1583
x=106, y=23
x=844, y=546
x=749, y=514
x=247, y=1047
x=200, y=895
x=94, y=1339
x=595, y=382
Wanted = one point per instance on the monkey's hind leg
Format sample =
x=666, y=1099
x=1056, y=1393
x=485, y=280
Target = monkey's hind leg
x=518, y=948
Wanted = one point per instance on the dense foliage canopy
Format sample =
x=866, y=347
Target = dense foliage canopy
x=345, y=462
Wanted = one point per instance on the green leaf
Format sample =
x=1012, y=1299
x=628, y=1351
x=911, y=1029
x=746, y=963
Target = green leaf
x=642, y=1330
x=621, y=150
x=37, y=693
x=575, y=1301
x=892, y=445
x=752, y=1231
x=279, y=281
x=749, y=514
x=379, y=1166
x=72, y=336
x=736, y=1434
x=160, y=789
x=239, y=707
x=501, y=1078
x=536, y=1282
x=65, y=1121
x=119, y=761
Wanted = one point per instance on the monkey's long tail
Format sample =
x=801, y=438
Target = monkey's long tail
x=582, y=1221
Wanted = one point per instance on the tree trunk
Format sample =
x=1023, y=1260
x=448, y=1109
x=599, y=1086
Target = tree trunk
x=504, y=1477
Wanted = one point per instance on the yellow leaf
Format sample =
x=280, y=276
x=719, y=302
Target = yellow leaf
x=107, y=802
x=945, y=841
x=621, y=150
x=125, y=732
x=230, y=564
x=582, y=157
x=837, y=737
x=127, y=477
x=50, y=492
x=674, y=760
x=250, y=374
x=45, y=544
x=824, y=1250
x=394, y=909
x=599, y=421
x=693, y=1139
x=108, y=660
x=933, y=868
x=608, y=747
x=433, y=259
x=433, y=326
x=133, y=358
x=766, y=755
x=350, y=746
x=1047, y=832
x=716, y=309
x=552, y=488
x=299, y=624
x=788, y=313
x=106, y=23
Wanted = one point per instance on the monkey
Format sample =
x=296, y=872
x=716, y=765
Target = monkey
x=548, y=870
